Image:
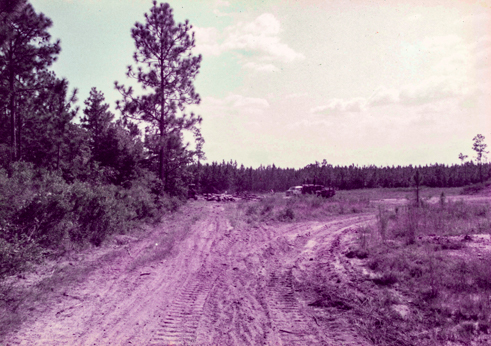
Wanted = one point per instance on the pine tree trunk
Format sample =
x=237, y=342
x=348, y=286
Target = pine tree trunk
x=13, y=116
x=162, y=119
x=19, y=128
x=58, y=157
x=13, y=126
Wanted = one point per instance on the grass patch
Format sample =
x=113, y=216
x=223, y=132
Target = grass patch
x=273, y=208
x=421, y=252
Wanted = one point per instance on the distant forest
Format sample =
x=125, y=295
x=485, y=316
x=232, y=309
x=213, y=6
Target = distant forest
x=228, y=176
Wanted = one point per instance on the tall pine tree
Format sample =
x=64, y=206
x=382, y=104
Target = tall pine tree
x=165, y=69
x=25, y=51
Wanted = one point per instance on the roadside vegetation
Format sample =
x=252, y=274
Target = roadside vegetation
x=43, y=216
x=434, y=264
x=308, y=207
x=278, y=208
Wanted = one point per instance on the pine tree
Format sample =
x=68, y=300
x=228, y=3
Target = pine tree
x=115, y=146
x=480, y=148
x=96, y=121
x=46, y=115
x=165, y=70
x=8, y=10
x=25, y=51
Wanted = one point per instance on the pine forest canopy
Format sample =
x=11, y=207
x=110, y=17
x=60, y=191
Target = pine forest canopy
x=228, y=176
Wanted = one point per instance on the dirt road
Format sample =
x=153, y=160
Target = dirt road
x=215, y=285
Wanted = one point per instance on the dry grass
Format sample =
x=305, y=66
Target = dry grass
x=425, y=255
x=297, y=208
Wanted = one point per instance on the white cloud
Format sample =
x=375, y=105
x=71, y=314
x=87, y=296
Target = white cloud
x=207, y=41
x=450, y=76
x=453, y=75
x=335, y=106
x=260, y=37
x=233, y=104
x=239, y=101
x=257, y=43
x=383, y=96
x=433, y=89
x=259, y=66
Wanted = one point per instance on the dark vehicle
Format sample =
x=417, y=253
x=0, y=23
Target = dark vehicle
x=326, y=192
x=192, y=192
x=311, y=188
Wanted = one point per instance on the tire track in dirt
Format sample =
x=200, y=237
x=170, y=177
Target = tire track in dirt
x=233, y=315
x=292, y=325
x=294, y=321
x=184, y=314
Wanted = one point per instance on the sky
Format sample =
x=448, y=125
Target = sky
x=289, y=82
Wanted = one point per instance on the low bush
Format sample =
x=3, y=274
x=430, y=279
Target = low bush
x=41, y=214
x=251, y=210
x=286, y=215
x=472, y=189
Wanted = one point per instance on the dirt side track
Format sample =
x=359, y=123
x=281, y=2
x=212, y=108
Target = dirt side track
x=216, y=286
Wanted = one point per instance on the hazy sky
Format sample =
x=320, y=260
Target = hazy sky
x=292, y=82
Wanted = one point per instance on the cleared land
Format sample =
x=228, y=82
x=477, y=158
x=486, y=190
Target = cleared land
x=303, y=271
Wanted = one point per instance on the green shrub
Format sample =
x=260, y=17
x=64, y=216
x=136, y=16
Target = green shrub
x=472, y=189
x=268, y=208
x=41, y=213
x=317, y=202
x=286, y=215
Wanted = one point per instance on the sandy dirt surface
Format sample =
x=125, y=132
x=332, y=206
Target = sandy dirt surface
x=213, y=285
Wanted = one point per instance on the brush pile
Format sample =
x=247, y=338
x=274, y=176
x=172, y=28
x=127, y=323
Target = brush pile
x=224, y=197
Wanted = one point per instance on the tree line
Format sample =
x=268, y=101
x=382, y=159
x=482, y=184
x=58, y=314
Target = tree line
x=228, y=176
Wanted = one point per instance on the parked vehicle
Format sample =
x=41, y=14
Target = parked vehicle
x=311, y=188
x=326, y=192
x=294, y=190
